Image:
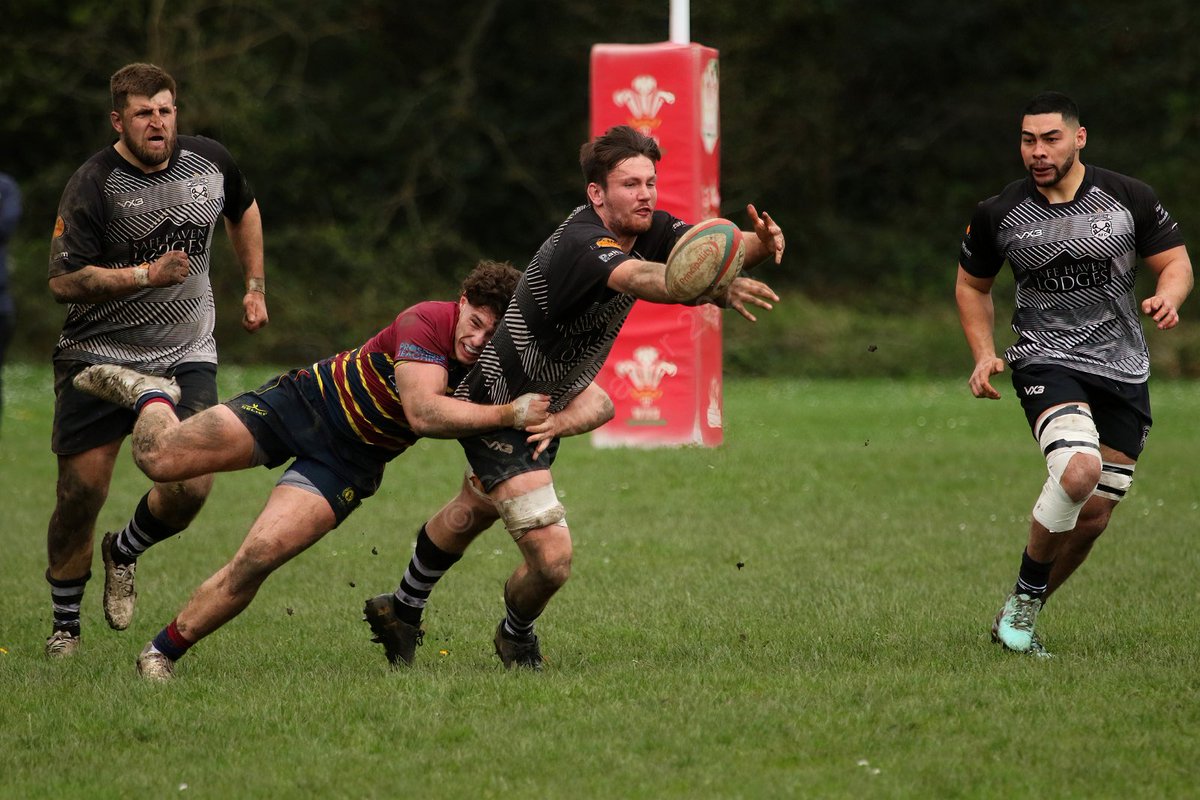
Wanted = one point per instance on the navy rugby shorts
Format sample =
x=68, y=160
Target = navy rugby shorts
x=287, y=423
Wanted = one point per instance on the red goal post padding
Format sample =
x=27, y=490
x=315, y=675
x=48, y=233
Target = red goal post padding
x=664, y=372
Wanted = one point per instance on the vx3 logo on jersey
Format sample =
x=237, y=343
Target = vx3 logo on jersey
x=1032, y=390
x=132, y=203
x=1029, y=234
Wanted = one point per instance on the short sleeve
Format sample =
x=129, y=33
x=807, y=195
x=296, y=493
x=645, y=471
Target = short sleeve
x=977, y=251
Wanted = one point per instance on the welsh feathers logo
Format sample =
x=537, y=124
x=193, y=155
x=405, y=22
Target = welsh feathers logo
x=644, y=100
x=645, y=371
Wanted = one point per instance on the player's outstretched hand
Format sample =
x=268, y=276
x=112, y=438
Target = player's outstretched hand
x=1162, y=311
x=980, y=382
x=747, y=291
x=767, y=231
x=169, y=269
x=529, y=410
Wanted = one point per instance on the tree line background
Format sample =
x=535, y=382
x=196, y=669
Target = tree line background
x=391, y=143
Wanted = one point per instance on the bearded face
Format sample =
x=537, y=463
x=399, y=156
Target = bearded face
x=147, y=129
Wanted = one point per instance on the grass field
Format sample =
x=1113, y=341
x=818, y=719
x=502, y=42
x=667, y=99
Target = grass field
x=802, y=612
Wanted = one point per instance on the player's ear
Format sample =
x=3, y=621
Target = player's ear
x=115, y=118
x=595, y=194
x=1081, y=138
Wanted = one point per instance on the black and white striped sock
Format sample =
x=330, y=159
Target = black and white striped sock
x=66, y=597
x=143, y=530
x=515, y=625
x=429, y=563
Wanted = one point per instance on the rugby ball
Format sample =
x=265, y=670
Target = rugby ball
x=705, y=260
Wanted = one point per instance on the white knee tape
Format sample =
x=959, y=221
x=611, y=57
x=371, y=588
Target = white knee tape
x=1115, y=480
x=536, y=509
x=1063, y=433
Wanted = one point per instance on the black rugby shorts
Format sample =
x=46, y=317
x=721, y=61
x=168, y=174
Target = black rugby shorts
x=1121, y=410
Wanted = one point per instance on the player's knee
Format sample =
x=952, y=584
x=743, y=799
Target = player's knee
x=79, y=502
x=154, y=460
x=1081, y=476
x=552, y=571
x=1071, y=445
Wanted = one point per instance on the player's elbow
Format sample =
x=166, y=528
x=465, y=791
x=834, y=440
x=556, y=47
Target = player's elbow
x=607, y=410
x=425, y=422
x=61, y=291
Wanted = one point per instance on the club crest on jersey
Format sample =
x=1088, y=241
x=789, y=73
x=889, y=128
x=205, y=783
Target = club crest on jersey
x=199, y=191
x=1102, y=227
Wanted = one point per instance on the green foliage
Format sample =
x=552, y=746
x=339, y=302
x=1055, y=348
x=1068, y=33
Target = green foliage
x=814, y=628
x=392, y=144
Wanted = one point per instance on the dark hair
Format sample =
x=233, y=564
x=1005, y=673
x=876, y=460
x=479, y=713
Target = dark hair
x=145, y=80
x=1053, y=103
x=491, y=285
x=601, y=156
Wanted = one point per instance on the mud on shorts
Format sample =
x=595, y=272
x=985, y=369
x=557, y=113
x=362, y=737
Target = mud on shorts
x=83, y=422
x=286, y=423
x=498, y=455
x=1120, y=409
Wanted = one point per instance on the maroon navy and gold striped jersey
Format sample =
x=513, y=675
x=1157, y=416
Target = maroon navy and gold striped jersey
x=359, y=386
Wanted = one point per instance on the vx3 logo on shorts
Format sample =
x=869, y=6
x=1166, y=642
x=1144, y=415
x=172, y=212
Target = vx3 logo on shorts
x=1032, y=390
x=500, y=447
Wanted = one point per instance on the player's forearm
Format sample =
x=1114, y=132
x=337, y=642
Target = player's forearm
x=447, y=418
x=978, y=318
x=98, y=284
x=590, y=409
x=645, y=280
x=1176, y=280
x=756, y=251
x=246, y=235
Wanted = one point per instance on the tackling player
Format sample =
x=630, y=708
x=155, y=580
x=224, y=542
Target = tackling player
x=341, y=420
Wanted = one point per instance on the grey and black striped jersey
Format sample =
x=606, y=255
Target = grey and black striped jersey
x=1074, y=264
x=113, y=215
x=563, y=318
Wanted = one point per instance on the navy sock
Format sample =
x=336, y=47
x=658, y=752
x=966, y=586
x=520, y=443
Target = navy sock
x=170, y=642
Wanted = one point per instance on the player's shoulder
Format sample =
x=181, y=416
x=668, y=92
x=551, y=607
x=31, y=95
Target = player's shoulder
x=1116, y=182
x=207, y=149
x=201, y=144
x=1006, y=198
x=98, y=166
